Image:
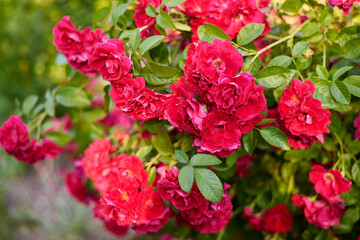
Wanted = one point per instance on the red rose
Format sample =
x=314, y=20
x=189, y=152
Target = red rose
x=123, y=195
x=220, y=136
x=148, y=226
x=345, y=5
x=150, y=204
x=75, y=184
x=109, y=224
x=123, y=217
x=330, y=184
x=320, y=213
x=206, y=62
x=301, y=113
x=242, y=163
x=277, y=219
x=170, y=190
x=108, y=58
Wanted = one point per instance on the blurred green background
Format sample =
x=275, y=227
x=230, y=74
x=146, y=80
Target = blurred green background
x=34, y=204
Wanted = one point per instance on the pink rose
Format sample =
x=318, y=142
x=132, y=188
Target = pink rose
x=301, y=113
x=108, y=58
x=345, y=5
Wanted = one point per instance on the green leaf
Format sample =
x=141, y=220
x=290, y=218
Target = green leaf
x=281, y=61
x=303, y=62
x=353, y=84
x=209, y=33
x=154, y=126
x=310, y=29
x=150, y=10
x=204, y=160
x=351, y=216
x=29, y=103
x=164, y=20
x=152, y=175
x=249, y=33
x=275, y=137
x=149, y=43
x=292, y=5
x=107, y=90
x=59, y=138
x=231, y=160
x=209, y=184
x=273, y=76
x=162, y=71
x=335, y=122
x=351, y=49
x=341, y=71
x=172, y=3
x=119, y=10
x=340, y=92
x=186, y=178
x=182, y=27
x=153, y=80
x=49, y=104
x=322, y=72
x=181, y=156
x=100, y=14
x=299, y=48
x=72, y=97
x=355, y=173
x=94, y=114
x=249, y=141
x=143, y=151
x=162, y=143
x=135, y=39
x=288, y=169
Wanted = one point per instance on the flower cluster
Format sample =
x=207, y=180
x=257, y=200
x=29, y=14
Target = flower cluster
x=233, y=101
x=125, y=198
x=330, y=185
x=345, y=5
x=229, y=15
x=195, y=210
x=277, y=219
x=15, y=141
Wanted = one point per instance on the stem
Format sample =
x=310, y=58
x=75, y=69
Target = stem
x=221, y=234
x=278, y=42
x=153, y=160
x=297, y=69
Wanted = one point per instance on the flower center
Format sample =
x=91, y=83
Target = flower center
x=329, y=177
x=217, y=62
x=125, y=196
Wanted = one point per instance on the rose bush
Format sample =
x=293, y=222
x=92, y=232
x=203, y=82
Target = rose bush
x=230, y=118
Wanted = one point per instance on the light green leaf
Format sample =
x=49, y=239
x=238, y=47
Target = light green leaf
x=164, y=20
x=172, y=3
x=119, y=10
x=281, y=61
x=152, y=175
x=29, y=103
x=182, y=27
x=72, y=97
x=135, y=39
x=150, y=10
x=273, y=76
x=204, y=160
x=340, y=92
x=299, y=48
x=355, y=173
x=275, y=137
x=310, y=29
x=322, y=72
x=353, y=84
x=351, y=49
x=150, y=43
x=181, y=156
x=209, y=184
x=249, y=141
x=186, y=178
x=249, y=33
x=162, y=143
x=209, y=33
x=341, y=71
x=162, y=71
x=60, y=138
x=292, y=5
x=94, y=114
x=100, y=14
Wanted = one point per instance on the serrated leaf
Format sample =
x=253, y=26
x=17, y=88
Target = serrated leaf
x=209, y=184
x=150, y=10
x=273, y=76
x=72, y=97
x=164, y=20
x=181, y=156
x=351, y=49
x=59, y=138
x=172, y=3
x=204, y=160
x=292, y=5
x=152, y=175
x=209, y=33
x=249, y=33
x=119, y=10
x=310, y=29
x=149, y=43
x=340, y=92
x=135, y=39
x=162, y=71
x=249, y=141
x=341, y=71
x=275, y=137
x=299, y=48
x=186, y=178
x=322, y=72
x=355, y=173
x=29, y=103
x=353, y=84
x=282, y=61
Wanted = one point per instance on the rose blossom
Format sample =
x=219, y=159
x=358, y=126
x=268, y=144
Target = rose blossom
x=301, y=113
x=109, y=224
x=141, y=19
x=220, y=136
x=330, y=184
x=75, y=184
x=320, y=213
x=154, y=225
x=170, y=190
x=277, y=219
x=108, y=58
x=345, y=5
x=242, y=163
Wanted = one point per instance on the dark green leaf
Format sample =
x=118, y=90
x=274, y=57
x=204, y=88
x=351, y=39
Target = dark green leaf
x=162, y=71
x=119, y=10
x=204, y=160
x=209, y=32
x=281, y=61
x=107, y=90
x=29, y=103
x=273, y=76
x=288, y=169
x=164, y=20
x=299, y=48
x=209, y=184
x=181, y=156
x=353, y=84
x=72, y=97
x=59, y=138
x=322, y=72
x=154, y=125
x=275, y=137
x=341, y=71
x=292, y=5
x=249, y=33
x=149, y=43
x=351, y=216
x=351, y=49
x=231, y=160
x=340, y=92
x=249, y=141
x=150, y=10
x=135, y=39
x=186, y=178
